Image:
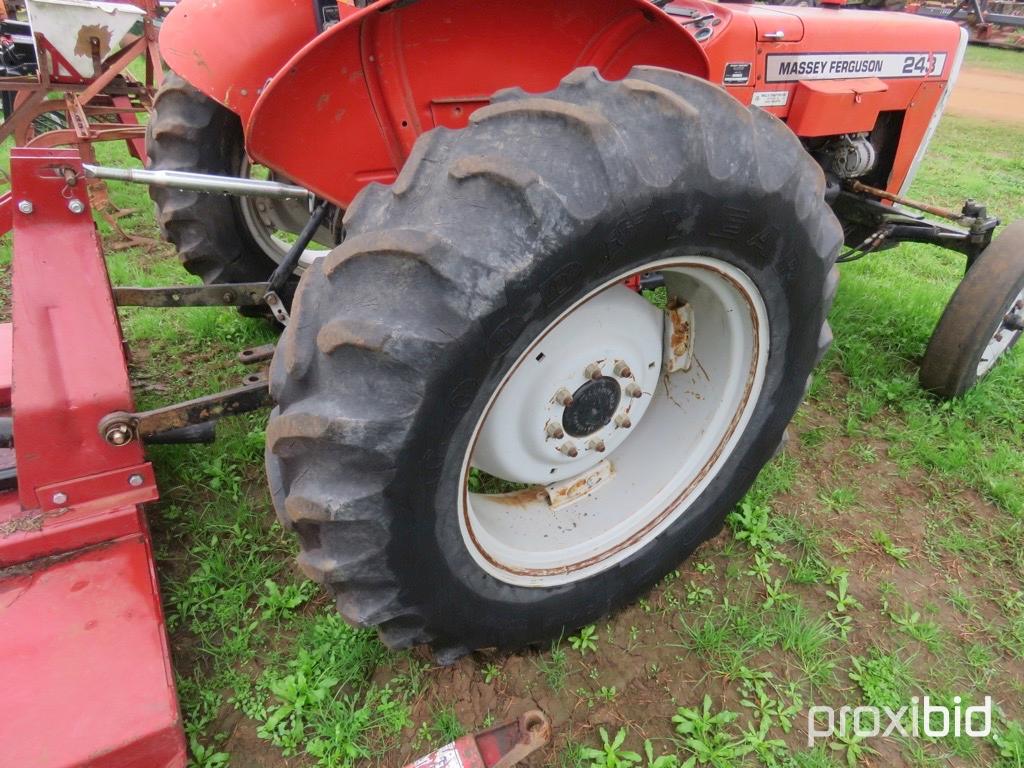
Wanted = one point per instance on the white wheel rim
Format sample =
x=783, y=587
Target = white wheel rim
x=681, y=430
x=1004, y=335
x=259, y=223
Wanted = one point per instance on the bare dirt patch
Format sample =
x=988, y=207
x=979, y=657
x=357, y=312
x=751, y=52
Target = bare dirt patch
x=989, y=94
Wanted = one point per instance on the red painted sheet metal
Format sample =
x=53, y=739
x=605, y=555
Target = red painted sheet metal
x=363, y=91
x=5, y=213
x=85, y=679
x=5, y=365
x=69, y=366
x=232, y=68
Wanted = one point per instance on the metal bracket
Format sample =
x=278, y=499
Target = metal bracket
x=121, y=428
x=222, y=295
x=277, y=307
x=679, y=329
x=252, y=355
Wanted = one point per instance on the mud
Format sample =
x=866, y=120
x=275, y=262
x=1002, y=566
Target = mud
x=989, y=94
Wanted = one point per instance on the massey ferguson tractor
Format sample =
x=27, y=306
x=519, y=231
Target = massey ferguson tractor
x=554, y=275
x=484, y=432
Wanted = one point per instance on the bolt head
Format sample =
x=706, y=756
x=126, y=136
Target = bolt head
x=563, y=397
x=622, y=370
x=76, y=206
x=596, y=445
x=623, y=421
x=633, y=390
x=593, y=371
x=60, y=498
x=569, y=450
x=554, y=429
x=25, y=206
x=135, y=480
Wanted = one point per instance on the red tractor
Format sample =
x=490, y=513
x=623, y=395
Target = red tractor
x=583, y=255
x=554, y=275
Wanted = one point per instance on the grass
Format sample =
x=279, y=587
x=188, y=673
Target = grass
x=995, y=58
x=877, y=559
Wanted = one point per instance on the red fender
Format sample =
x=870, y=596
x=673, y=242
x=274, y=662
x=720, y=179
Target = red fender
x=347, y=108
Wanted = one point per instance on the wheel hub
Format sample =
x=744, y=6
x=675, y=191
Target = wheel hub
x=593, y=406
x=576, y=397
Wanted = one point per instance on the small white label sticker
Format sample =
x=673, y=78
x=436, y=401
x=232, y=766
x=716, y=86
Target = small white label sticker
x=770, y=99
x=788, y=68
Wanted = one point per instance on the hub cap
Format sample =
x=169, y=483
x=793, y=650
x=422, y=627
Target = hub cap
x=1007, y=332
x=590, y=413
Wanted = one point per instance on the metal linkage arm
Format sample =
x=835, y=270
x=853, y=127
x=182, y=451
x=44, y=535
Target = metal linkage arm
x=198, y=182
x=121, y=428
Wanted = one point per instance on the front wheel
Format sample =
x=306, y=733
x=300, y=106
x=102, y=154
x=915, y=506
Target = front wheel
x=485, y=433
x=983, y=321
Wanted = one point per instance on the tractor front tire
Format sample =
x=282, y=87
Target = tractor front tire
x=983, y=321
x=188, y=131
x=426, y=354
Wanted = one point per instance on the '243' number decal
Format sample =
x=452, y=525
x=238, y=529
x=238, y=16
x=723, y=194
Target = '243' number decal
x=919, y=65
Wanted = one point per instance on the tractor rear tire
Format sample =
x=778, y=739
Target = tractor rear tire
x=439, y=295
x=188, y=131
x=982, y=318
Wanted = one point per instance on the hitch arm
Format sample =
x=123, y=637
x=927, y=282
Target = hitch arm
x=121, y=428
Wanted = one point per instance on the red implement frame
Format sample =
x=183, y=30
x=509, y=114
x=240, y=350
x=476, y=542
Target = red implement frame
x=86, y=676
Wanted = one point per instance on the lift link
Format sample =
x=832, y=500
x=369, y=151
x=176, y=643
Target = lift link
x=121, y=428
x=199, y=182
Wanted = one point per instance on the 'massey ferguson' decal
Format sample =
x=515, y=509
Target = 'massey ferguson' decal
x=788, y=68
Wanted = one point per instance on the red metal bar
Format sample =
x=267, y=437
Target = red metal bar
x=85, y=678
x=6, y=220
x=68, y=357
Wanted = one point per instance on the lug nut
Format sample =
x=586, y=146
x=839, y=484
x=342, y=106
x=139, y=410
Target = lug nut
x=622, y=421
x=593, y=371
x=563, y=397
x=554, y=429
x=60, y=498
x=622, y=370
x=569, y=450
x=596, y=445
x=633, y=390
